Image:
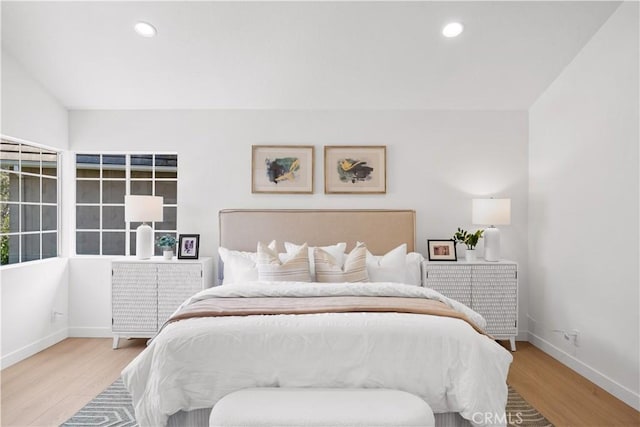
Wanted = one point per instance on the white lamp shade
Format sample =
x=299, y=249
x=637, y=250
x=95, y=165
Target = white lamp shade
x=143, y=208
x=491, y=211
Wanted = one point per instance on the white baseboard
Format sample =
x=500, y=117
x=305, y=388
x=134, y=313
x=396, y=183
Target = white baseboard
x=84, y=332
x=618, y=390
x=33, y=348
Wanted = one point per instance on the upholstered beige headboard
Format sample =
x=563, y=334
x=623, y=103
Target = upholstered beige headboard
x=381, y=230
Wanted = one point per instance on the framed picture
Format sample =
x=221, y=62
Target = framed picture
x=355, y=169
x=442, y=250
x=286, y=169
x=188, y=246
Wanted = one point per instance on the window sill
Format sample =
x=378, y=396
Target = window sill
x=95, y=256
x=31, y=263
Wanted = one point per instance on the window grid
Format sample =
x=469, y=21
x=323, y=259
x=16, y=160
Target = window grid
x=19, y=173
x=128, y=180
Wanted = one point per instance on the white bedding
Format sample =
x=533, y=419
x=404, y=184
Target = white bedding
x=193, y=363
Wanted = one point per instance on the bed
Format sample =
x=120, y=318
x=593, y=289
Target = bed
x=192, y=363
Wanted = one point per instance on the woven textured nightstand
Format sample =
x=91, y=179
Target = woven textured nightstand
x=144, y=293
x=490, y=288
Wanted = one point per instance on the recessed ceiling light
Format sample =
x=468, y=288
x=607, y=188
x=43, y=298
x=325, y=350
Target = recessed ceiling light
x=452, y=29
x=145, y=29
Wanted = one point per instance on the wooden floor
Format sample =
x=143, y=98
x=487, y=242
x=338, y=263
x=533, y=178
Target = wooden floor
x=564, y=397
x=49, y=387
x=46, y=389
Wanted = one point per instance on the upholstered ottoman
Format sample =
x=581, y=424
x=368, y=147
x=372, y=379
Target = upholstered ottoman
x=321, y=407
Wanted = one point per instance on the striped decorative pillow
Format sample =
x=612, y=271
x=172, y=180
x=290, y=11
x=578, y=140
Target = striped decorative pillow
x=336, y=250
x=294, y=269
x=328, y=269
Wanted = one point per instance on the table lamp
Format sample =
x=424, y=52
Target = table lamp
x=143, y=208
x=491, y=212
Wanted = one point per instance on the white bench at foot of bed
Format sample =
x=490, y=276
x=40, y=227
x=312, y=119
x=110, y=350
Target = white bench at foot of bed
x=315, y=407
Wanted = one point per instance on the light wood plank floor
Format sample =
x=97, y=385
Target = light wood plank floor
x=49, y=387
x=563, y=396
x=46, y=389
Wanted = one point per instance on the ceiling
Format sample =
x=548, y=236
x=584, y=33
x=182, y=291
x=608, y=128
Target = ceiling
x=298, y=55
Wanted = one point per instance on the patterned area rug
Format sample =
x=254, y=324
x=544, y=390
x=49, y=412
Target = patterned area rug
x=521, y=414
x=113, y=408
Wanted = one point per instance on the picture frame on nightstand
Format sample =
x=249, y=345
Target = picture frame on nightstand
x=442, y=250
x=188, y=246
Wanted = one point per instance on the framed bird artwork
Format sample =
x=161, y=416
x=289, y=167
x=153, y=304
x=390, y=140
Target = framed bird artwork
x=355, y=169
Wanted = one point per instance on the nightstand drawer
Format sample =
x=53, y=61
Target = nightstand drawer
x=134, y=298
x=497, y=303
x=176, y=283
x=452, y=282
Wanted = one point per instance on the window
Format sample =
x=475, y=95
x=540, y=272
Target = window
x=102, y=181
x=28, y=202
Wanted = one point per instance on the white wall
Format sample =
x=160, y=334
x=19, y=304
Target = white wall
x=29, y=294
x=31, y=291
x=90, y=297
x=437, y=161
x=583, y=210
x=29, y=112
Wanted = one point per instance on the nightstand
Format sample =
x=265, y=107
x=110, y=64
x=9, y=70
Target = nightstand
x=144, y=293
x=490, y=288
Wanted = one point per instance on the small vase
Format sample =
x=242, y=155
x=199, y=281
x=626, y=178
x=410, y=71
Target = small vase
x=470, y=255
x=167, y=254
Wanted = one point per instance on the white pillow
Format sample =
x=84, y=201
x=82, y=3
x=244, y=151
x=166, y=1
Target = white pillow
x=271, y=269
x=390, y=267
x=240, y=266
x=414, y=268
x=337, y=251
x=354, y=270
x=396, y=266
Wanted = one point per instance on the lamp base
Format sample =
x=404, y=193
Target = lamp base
x=492, y=244
x=144, y=242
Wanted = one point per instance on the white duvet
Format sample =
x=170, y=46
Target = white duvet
x=193, y=363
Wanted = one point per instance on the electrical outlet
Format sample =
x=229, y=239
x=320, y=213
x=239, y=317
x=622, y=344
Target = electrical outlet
x=575, y=337
x=54, y=315
x=570, y=336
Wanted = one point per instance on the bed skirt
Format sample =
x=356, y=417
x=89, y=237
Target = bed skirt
x=200, y=418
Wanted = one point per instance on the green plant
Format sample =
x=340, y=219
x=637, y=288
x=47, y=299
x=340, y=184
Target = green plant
x=4, y=218
x=166, y=241
x=469, y=239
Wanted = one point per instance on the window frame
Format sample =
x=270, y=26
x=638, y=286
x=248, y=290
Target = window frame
x=58, y=177
x=128, y=180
